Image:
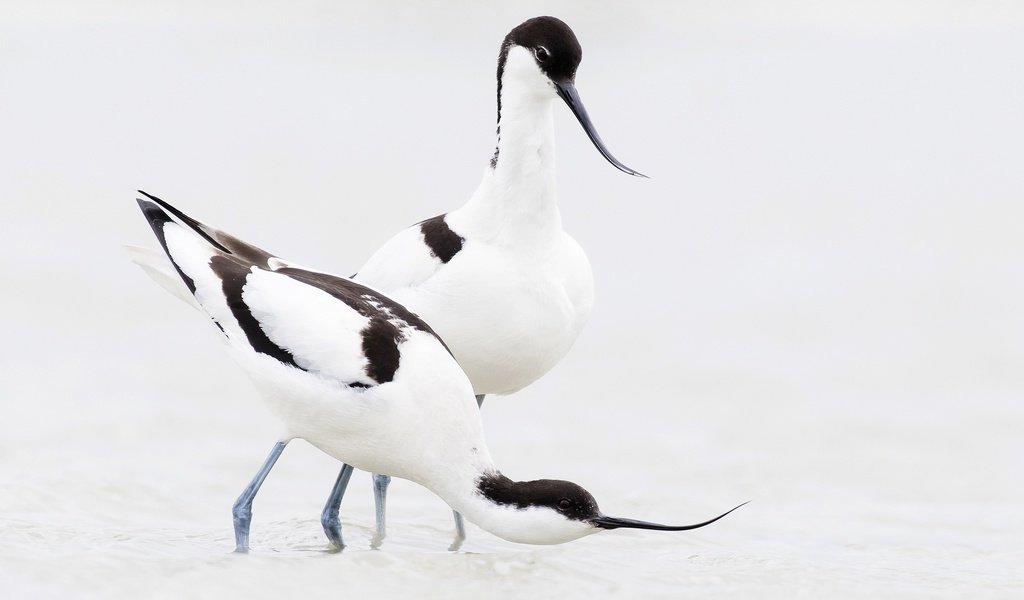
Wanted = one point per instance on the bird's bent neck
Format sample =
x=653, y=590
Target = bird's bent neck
x=501, y=506
x=517, y=193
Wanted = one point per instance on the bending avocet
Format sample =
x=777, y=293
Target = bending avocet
x=365, y=380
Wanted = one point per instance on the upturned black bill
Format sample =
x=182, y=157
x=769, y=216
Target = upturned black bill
x=615, y=523
x=568, y=92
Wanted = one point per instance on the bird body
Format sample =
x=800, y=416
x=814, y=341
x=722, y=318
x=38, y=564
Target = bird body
x=498, y=279
x=365, y=380
x=341, y=365
x=506, y=328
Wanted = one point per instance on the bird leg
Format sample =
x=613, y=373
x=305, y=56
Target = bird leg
x=242, y=509
x=460, y=528
x=380, y=493
x=329, y=517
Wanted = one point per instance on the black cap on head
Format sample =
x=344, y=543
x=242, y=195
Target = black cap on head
x=555, y=46
x=565, y=497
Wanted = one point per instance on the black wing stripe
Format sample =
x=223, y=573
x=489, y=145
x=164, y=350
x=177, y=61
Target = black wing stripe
x=357, y=296
x=233, y=274
x=381, y=336
x=360, y=298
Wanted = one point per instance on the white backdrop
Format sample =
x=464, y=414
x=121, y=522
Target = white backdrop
x=815, y=302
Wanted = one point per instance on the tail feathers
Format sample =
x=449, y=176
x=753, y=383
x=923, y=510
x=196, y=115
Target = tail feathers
x=161, y=270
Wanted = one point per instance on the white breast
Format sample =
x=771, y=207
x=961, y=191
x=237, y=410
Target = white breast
x=508, y=314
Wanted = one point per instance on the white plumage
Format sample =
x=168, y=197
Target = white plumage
x=366, y=381
x=498, y=279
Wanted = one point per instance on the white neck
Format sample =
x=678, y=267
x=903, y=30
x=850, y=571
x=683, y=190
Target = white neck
x=457, y=483
x=526, y=140
x=532, y=525
x=518, y=191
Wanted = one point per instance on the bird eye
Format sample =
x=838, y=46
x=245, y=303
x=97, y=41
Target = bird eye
x=564, y=504
x=541, y=53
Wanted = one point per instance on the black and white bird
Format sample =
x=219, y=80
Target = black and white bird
x=365, y=380
x=499, y=279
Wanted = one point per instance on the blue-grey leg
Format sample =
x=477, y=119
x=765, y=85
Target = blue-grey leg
x=329, y=517
x=460, y=527
x=380, y=495
x=242, y=510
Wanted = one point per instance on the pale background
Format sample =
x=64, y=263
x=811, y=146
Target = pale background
x=815, y=302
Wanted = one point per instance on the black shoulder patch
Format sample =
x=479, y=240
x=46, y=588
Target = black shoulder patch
x=233, y=275
x=380, y=346
x=381, y=336
x=442, y=241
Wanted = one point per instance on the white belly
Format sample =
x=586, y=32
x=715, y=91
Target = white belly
x=508, y=318
x=380, y=429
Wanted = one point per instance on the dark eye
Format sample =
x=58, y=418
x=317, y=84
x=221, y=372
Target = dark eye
x=564, y=504
x=541, y=53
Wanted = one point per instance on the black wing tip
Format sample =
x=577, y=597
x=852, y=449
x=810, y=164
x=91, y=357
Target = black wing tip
x=192, y=224
x=166, y=206
x=157, y=218
x=156, y=215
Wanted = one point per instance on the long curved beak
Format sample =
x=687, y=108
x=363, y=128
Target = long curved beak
x=567, y=91
x=615, y=523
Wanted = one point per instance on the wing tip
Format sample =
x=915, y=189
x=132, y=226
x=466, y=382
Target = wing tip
x=155, y=215
x=200, y=229
x=158, y=218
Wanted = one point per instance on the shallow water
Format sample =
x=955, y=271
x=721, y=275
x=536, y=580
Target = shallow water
x=814, y=304
x=840, y=506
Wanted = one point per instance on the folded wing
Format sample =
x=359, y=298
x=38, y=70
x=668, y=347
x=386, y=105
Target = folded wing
x=324, y=324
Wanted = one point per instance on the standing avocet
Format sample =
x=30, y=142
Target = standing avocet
x=365, y=380
x=499, y=279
